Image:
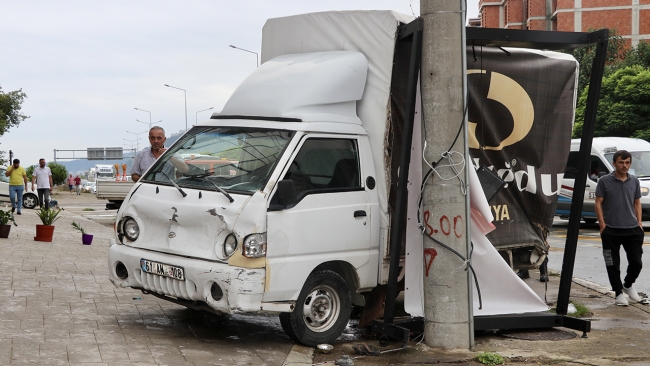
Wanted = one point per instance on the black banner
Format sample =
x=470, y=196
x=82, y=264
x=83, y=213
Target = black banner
x=521, y=109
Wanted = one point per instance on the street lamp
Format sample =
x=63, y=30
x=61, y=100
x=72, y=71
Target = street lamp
x=184, y=92
x=197, y=114
x=138, y=109
x=241, y=49
x=137, y=146
x=147, y=123
x=132, y=141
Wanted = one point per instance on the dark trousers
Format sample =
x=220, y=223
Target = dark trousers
x=44, y=197
x=632, y=241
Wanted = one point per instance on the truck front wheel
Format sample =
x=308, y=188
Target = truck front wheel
x=322, y=310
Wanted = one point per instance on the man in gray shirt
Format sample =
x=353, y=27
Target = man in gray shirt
x=618, y=208
x=149, y=155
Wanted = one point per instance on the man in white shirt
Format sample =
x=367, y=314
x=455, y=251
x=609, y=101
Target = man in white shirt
x=42, y=175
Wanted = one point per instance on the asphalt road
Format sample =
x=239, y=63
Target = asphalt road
x=589, y=263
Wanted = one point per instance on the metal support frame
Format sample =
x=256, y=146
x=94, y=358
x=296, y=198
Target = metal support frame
x=401, y=329
x=412, y=33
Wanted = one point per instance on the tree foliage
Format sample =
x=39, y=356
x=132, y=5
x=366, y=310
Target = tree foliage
x=624, y=105
x=59, y=172
x=10, y=105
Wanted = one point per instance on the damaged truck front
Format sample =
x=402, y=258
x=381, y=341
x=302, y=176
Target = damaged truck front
x=298, y=225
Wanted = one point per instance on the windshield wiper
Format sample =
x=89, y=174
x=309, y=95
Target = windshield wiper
x=203, y=177
x=175, y=185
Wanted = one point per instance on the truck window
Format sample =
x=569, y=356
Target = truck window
x=325, y=165
x=640, y=163
x=3, y=178
x=571, y=170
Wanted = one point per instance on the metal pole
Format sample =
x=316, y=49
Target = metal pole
x=573, y=230
x=447, y=306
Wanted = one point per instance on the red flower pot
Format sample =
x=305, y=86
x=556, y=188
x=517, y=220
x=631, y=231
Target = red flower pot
x=44, y=233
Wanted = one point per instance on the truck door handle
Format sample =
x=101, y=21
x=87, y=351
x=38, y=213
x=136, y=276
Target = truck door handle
x=359, y=213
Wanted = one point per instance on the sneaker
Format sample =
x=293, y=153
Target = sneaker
x=543, y=278
x=18, y=213
x=13, y=209
x=621, y=300
x=631, y=292
x=523, y=274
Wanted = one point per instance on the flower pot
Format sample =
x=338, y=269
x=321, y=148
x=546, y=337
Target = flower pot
x=4, y=231
x=44, y=233
x=86, y=239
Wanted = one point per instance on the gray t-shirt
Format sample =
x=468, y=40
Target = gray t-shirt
x=618, y=200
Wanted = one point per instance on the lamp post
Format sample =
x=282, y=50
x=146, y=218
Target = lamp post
x=196, y=122
x=138, y=109
x=137, y=146
x=131, y=141
x=185, y=93
x=148, y=123
x=241, y=49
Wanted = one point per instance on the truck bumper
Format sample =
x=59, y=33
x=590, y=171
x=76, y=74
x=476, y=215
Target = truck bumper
x=222, y=287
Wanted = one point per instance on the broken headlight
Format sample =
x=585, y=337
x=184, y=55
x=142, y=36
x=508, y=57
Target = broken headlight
x=131, y=229
x=645, y=191
x=255, y=246
x=229, y=245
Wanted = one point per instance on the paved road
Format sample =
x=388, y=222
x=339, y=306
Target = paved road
x=589, y=264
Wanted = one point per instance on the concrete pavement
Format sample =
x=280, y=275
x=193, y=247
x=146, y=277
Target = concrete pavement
x=58, y=308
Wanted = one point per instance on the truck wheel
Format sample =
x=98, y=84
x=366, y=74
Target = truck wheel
x=322, y=310
x=30, y=201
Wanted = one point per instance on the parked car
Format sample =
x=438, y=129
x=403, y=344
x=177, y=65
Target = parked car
x=89, y=187
x=30, y=198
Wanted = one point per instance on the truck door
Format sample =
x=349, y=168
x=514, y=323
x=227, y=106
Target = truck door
x=330, y=222
x=4, y=185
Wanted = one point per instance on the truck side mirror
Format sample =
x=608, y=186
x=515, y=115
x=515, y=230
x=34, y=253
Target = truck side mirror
x=286, y=193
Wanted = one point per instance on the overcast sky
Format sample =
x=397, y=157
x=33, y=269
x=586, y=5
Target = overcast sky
x=85, y=65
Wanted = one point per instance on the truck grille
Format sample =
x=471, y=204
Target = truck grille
x=167, y=286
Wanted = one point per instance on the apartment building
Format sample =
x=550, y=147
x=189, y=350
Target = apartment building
x=630, y=18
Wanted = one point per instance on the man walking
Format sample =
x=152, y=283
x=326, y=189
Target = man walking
x=17, y=179
x=42, y=175
x=71, y=183
x=77, y=185
x=618, y=208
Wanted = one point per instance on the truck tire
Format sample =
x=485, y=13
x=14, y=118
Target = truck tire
x=322, y=310
x=30, y=200
x=113, y=205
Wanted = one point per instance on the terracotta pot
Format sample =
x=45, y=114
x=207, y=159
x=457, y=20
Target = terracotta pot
x=44, y=233
x=86, y=239
x=4, y=231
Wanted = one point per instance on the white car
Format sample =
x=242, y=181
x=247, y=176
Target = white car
x=30, y=198
x=89, y=187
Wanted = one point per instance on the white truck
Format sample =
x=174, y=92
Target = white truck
x=298, y=225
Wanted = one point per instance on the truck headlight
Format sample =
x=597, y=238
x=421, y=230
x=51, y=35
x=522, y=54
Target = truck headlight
x=131, y=229
x=255, y=246
x=645, y=191
x=229, y=245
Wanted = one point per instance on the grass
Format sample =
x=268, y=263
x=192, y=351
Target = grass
x=581, y=310
x=489, y=358
x=88, y=209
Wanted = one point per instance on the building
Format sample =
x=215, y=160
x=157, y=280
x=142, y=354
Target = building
x=630, y=18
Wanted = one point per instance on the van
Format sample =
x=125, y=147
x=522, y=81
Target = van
x=602, y=153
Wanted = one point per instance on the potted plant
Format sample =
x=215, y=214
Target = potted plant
x=46, y=231
x=86, y=239
x=5, y=217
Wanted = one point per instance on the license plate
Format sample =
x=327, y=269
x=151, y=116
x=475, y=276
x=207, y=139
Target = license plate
x=162, y=269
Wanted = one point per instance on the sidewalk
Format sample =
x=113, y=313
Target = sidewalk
x=619, y=336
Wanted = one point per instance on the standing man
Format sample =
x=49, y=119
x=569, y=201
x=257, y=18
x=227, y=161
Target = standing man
x=618, y=208
x=149, y=155
x=42, y=175
x=77, y=184
x=17, y=179
x=71, y=183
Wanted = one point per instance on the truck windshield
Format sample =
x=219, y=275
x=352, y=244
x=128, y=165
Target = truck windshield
x=640, y=163
x=234, y=159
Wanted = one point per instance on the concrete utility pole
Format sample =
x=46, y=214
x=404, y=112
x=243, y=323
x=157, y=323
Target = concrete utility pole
x=447, y=303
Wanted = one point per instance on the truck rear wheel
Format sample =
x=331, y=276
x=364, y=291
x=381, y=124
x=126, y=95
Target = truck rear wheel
x=322, y=310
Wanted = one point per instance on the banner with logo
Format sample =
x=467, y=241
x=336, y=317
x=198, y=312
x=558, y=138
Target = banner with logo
x=521, y=111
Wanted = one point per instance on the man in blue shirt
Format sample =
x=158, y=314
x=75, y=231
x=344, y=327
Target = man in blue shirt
x=618, y=208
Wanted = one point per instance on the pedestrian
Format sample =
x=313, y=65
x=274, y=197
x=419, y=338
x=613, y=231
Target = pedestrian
x=42, y=175
x=17, y=180
x=71, y=183
x=618, y=209
x=77, y=184
x=145, y=158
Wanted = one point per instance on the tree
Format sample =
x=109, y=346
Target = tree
x=10, y=105
x=624, y=105
x=59, y=172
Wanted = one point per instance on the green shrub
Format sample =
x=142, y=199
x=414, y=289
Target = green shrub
x=489, y=358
